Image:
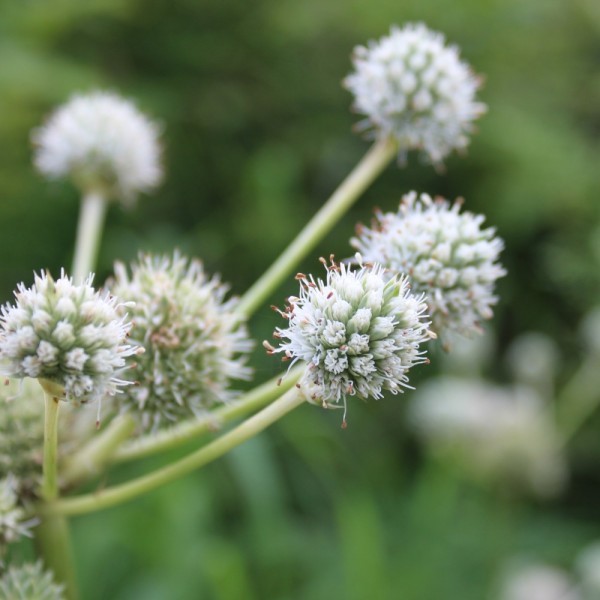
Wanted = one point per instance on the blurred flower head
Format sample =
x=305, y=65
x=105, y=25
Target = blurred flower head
x=499, y=436
x=68, y=336
x=446, y=255
x=358, y=333
x=28, y=582
x=13, y=525
x=538, y=582
x=103, y=143
x=413, y=87
x=194, y=343
x=588, y=568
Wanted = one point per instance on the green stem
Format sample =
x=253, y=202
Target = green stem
x=127, y=491
x=89, y=229
x=189, y=430
x=365, y=172
x=49, y=489
x=89, y=461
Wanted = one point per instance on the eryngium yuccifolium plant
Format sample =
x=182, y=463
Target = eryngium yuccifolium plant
x=194, y=343
x=22, y=433
x=13, y=525
x=414, y=88
x=69, y=335
x=29, y=582
x=446, y=255
x=503, y=437
x=358, y=333
x=103, y=143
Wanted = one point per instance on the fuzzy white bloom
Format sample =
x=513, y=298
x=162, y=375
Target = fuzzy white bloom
x=30, y=582
x=68, y=335
x=446, y=255
x=538, y=582
x=103, y=143
x=498, y=435
x=358, y=333
x=416, y=89
x=13, y=525
x=194, y=343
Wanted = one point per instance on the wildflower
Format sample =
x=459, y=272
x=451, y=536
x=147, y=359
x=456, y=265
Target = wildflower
x=358, y=333
x=12, y=517
x=498, y=435
x=414, y=88
x=68, y=336
x=538, y=582
x=194, y=343
x=29, y=581
x=445, y=253
x=103, y=143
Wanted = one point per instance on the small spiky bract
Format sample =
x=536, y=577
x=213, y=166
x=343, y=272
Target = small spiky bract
x=68, y=335
x=446, y=255
x=414, y=88
x=103, y=143
x=358, y=333
x=13, y=525
x=29, y=582
x=194, y=343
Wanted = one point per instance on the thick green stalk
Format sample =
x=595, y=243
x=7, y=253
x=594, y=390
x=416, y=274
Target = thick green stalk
x=89, y=229
x=49, y=489
x=122, y=493
x=191, y=429
x=365, y=172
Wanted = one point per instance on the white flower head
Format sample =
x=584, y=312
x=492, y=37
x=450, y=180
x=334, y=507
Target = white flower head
x=29, y=581
x=538, y=581
x=587, y=566
x=413, y=87
x=13, y=523
x=69, y=336
x=502, y=436
x=358, y=333
x=446, y=254
x=194, y=343
x=103, y=143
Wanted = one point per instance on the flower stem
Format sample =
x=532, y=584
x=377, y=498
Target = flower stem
x=49, y=489
x=127, y=491
x=88, y=461
x=89, y=229
x=191, y=429
x=365, y=172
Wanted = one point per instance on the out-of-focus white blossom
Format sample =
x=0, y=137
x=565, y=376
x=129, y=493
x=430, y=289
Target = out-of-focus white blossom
x=587, y=565
x=538, y=582
x=30, y=582
x=13, y=524
x=67, y=335
x=194, y=343
x=446, y=255
x=413, y=87
x=501, y=436
x=103, y=143
x=358, y=333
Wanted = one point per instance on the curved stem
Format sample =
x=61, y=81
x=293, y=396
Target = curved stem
x=188, y=430
x=127, y=491
x=89, y=229
x=371, y=165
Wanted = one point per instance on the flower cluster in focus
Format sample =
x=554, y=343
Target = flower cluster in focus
x=69, y=335
x=416, y=89
x=194, y=343
x=103, y=143
x=446, y=255
x=358, y=333
x=30, y=582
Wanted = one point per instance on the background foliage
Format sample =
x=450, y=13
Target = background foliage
x=257, y=133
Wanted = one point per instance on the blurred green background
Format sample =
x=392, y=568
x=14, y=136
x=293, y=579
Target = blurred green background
x=257, y=133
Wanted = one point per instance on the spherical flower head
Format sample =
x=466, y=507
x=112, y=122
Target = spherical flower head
x=194, y=343
x=414, y=88
x=13, y=525
x=499, y=436
x=103, y=143
x=28, y=582
x=70, y=337
x=446, y=254
x=358, y=333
